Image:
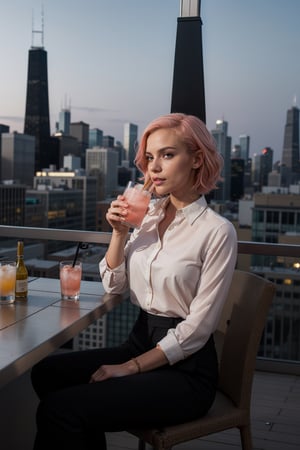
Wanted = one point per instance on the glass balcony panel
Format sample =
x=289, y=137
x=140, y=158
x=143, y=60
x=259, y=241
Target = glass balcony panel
x=279, y=263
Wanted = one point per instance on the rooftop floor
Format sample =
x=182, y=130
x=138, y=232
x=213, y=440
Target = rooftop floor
x=275, y=420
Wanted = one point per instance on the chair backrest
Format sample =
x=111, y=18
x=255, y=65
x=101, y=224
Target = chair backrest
x=240, y=328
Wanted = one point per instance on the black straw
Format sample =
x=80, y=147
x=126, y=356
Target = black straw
x=80, y=245
x=76, y=254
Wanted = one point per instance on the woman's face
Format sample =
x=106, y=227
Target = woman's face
x=171, y=167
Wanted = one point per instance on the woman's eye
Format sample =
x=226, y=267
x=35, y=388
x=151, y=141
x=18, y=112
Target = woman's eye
x=149, y=158
x=168, y=155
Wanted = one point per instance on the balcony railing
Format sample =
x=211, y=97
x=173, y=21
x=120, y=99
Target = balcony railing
x=252, y=249
x=96, y=237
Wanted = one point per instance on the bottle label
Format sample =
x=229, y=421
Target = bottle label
x=21, y=286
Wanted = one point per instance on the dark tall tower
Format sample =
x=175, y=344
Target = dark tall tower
x=188, y=79
x=290, y=154
x=266, y=164
x=237, y=179
x=37, y=121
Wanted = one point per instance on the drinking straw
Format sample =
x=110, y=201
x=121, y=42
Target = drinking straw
x=80, y=245
x=148, y=186
x=76, y=254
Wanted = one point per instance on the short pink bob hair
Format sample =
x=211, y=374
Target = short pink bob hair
x=193, y=132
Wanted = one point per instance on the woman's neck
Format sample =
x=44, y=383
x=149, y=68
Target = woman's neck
x=180, y=203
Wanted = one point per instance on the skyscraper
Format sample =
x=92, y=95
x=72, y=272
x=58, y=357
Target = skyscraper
x=95, y=137
x=290, y=154
x=130, y=141
x=245, y=146
x=266, y=164
x=188, y=78
x=37, y=121
x=64, y=121
x=103, y=163
x=3, y=129
x=12, y=204
x=108, y=141
x=18, y=157
x=223, y=142
x=237, y=179
x=256, y=171
x=80, y=130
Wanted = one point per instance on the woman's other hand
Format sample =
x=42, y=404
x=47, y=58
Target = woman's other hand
x=112, y=371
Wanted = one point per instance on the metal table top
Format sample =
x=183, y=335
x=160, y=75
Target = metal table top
x=31, y=329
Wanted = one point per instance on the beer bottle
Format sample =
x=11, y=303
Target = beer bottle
x=21, y=274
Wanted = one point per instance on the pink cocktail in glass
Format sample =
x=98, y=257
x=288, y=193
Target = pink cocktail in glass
x=70, y=279
x=138, y=200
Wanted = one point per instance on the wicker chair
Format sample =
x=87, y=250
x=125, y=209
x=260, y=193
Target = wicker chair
x=237, y=339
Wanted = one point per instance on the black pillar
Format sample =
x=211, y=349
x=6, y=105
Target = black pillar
x=188, y=94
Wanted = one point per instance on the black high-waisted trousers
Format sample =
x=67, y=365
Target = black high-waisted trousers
x=75, y=414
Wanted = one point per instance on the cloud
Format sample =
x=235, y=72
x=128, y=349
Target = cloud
x=91, y=109
x=17, y=119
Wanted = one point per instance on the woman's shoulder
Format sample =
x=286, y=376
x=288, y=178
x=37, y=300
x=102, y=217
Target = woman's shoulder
x=218, y=219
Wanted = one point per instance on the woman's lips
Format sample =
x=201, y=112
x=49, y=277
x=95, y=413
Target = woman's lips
x=158, y=181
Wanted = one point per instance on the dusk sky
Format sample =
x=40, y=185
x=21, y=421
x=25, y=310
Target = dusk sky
x=112, y=62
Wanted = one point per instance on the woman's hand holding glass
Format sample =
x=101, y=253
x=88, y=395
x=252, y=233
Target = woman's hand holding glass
x=116, y=214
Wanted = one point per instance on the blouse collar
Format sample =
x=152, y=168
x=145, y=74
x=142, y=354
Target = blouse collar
x=191, y=212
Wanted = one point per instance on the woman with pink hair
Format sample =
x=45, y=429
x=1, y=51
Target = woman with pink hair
x=177, y=267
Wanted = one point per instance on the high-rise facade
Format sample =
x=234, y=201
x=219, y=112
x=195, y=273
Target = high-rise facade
x=80, y=130
x=64, y=121
x=276, y=219
x=188, y=75
x=108, y=141
x=3, y=129
x=255, y=171
x=67, y=145
x=290, y=154
x=223, y=142
x=18, y=152
x=103, y=163
x=12, y=204
x=70, y=181
x=244, y=146
x=266, y=164
x=237, y=178
x=275, y=215
x=129, y=142
x=261, y=168
x=95, y=137
x=37, y=122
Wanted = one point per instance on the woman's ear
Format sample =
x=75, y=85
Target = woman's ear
x=198, y=160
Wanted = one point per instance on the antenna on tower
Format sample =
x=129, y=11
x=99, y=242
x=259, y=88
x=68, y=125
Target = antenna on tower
x=295, y=100
x=39, y=32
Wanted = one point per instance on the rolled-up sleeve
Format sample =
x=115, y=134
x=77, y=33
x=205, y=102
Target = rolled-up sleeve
x=114, y=280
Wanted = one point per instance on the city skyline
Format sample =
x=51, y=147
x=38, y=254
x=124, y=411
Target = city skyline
x=112, y=62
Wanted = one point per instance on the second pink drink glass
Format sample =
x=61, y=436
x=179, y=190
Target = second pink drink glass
x=138, y=200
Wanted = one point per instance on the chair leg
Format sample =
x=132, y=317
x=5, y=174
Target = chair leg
x=246, y=437
x=142, y=444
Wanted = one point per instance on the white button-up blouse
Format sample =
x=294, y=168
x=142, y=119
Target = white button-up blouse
x=187, y=274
